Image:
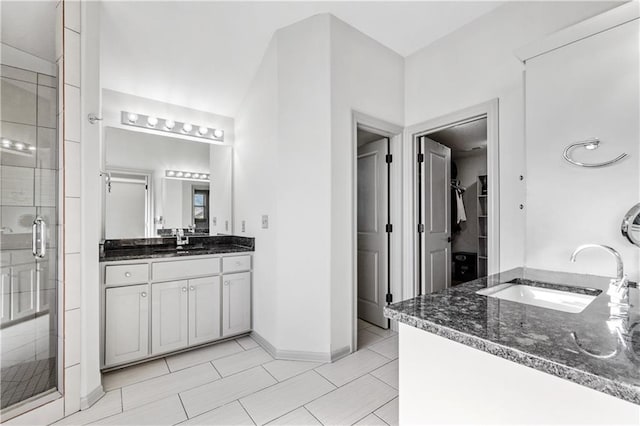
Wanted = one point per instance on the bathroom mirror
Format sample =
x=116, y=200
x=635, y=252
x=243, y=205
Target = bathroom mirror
x=631, y=225
x=154, y=184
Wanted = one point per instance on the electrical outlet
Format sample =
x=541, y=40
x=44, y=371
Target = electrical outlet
x=243, y=226
x=226, y=225
x=265, y=221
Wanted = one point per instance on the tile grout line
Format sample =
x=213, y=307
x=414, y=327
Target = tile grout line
x=312, y=415
x=183, y=408
x=245, y=410
x=269, y=373
x=381, y=419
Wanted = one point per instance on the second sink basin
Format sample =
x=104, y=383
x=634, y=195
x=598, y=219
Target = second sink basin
x=559, y=300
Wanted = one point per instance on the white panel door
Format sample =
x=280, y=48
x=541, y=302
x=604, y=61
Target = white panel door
x=204, y=310
x=236, y=303
x=5, y=294
x=372, y=236
x=126, y=324
x=169, y=316
x=23, y=291
x=436, y=202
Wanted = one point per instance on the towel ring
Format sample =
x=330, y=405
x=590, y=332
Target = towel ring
x=590, y=144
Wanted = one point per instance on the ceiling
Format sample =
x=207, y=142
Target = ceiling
x=204, y=55
x=463, y=138
x=30, y=26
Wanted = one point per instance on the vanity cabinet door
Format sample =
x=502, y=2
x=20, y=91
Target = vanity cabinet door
x=169, y=316
x=236, y=303
x=126, y=324
x=204, y=310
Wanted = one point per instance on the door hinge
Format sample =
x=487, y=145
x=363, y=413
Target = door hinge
x=420, y=228
x=389, y=298
x=389, y=227
x=388, y=158
x=421, y=158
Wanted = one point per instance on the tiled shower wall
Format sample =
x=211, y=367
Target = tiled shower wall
x=69, y=63
x=68, y=40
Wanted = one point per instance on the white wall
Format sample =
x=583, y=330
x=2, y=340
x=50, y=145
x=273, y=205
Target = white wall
x=281, y=169
x=572, y=97
x=255, y=162
x=476, y=64
x=369, y=78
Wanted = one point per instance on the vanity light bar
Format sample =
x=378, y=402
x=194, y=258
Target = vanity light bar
x=181, y=174
x=15, y=147
x=171, y=126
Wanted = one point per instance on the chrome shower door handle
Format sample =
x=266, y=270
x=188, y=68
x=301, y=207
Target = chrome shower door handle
x=39, y=229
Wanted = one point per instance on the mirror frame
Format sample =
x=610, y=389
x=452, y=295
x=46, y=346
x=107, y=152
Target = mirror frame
x=627, y=222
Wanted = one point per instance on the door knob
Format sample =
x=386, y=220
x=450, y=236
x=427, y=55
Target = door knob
x=127, y=274
x=192, y=288
x=143, y=294
x=448, y=239
x=184, y=289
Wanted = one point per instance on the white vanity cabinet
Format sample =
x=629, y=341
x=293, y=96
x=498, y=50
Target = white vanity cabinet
x=169, y=316
x=236, y=303
x=126, y=323
x=157, y=306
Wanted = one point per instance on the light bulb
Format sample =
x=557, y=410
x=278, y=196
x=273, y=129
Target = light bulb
x=203, y=130
x=205, y=177
x=6, y=142
x=171, y=173
x=32, y=148
x=186, y=127
x=132, y=117
x=218, y=133
x=152, y=121
x=187, y=174
x=18, y=145
x=196, y=175
x=169, y=124
x=179, y=174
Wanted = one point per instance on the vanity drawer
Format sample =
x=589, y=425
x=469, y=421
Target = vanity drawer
x=236, y=263
x=126, y=274
x=181, y=269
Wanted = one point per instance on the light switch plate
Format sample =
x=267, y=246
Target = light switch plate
x=265, y=221
x=243, y=226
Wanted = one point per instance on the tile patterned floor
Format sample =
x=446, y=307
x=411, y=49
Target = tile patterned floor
x=239, y=383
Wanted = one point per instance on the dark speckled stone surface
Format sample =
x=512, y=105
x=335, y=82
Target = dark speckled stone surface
x=596, y=348
x=145, y=248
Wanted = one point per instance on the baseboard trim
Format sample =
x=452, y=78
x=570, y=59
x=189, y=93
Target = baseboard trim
x=340, y=353
x=93, y=397
x=299, y=355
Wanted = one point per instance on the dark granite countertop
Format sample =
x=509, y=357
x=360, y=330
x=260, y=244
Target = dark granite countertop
x=163, y=247
x=594, y=348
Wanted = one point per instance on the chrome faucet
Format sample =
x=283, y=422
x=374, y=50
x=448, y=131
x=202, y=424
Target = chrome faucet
x=618, y=287
x=180, y=238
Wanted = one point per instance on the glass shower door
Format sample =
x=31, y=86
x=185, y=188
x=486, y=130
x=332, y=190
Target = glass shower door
x=28, y=235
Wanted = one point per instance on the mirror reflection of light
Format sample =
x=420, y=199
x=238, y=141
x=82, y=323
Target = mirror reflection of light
x=19, y=146
x=203, y=130
x=32, y=148
x=171, y=173
x=152, y=121
x=179, y=174
x=218, y=133
x=132, y=117
x=169, y=124
x=6, y=143
x=186, y=127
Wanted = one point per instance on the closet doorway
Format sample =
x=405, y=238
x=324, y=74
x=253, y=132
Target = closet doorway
x=456, y=236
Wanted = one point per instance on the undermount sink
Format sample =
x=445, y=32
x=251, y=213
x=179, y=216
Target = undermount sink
x=544, y=297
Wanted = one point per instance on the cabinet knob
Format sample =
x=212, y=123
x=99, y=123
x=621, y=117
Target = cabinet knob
x=184, y=289
x=192, y=288
x=143, y=294
x=226, y=283
x=127, y=274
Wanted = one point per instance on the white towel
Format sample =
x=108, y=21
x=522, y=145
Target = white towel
x=462, y=215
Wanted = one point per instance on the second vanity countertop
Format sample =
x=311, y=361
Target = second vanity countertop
x=163, y=247
x=608, y=359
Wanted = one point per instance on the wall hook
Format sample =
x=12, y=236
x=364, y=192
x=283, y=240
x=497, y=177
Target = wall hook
x=590, y=144
x=93, y=118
